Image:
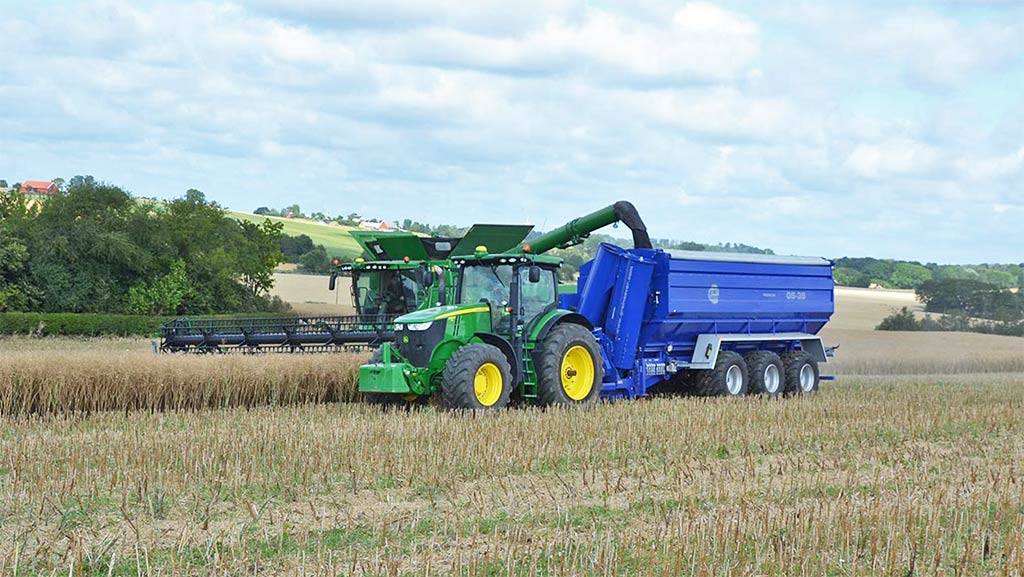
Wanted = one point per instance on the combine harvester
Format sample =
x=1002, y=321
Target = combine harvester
x=721, y=324
x=403, y=273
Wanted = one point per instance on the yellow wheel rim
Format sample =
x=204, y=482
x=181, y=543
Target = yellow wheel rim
x=487, y=384
x=577, y=373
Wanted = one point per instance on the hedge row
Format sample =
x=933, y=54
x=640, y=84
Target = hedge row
x=86, y=325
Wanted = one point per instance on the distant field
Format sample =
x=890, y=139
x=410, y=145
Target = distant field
x=308, y=294
x=335, y=238
x=863, y=350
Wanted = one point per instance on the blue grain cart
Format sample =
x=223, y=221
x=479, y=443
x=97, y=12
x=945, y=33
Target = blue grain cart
x=718, y=323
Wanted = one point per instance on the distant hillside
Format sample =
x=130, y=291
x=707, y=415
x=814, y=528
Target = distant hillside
x=335, y=237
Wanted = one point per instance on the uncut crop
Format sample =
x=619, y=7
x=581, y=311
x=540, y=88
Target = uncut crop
x=53, y=381
x=873, y=476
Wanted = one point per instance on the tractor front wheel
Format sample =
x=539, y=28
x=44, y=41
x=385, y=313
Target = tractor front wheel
x=477, y=377
x=569, y=367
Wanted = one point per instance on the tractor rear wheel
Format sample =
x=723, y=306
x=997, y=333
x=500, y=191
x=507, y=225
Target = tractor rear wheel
x=767, y=373
x=802, y=376
x=569, y=367
x=727, y=379
x=477, y=377
x=391, y=400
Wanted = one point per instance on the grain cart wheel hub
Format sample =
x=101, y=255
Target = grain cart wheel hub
x=772, y=379
x=577, y=373
x=734, y=379
x=807, y=378
x=487, y=384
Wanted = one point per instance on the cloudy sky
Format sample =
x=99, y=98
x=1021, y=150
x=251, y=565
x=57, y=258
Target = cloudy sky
x=832, y=128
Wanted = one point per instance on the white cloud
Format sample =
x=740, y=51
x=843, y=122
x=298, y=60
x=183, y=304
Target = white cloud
x=938, y=49
x=893, y=158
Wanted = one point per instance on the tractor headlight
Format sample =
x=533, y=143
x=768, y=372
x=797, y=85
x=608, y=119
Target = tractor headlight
x=418, y=326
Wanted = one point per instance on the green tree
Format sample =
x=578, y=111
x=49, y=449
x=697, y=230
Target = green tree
x=163, y=296
x=262, y=255
x=908, y=275
x=901, y=320
x=293, y=247
x=315, y=261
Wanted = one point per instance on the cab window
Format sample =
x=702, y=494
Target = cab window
x=486, y=283
x=535, y=298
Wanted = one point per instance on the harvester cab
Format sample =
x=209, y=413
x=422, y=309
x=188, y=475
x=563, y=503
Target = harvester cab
x=401, y=273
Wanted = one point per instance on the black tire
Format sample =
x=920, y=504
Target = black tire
x=766, y=373
x=458, y=385
x=794, y=363
x=550, y=356
x=390, y=400
x=713, y=383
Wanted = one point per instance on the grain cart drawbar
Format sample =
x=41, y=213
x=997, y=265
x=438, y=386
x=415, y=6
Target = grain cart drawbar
x=721, y=324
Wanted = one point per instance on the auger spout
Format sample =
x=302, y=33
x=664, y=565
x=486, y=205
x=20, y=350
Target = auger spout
x=578, y=229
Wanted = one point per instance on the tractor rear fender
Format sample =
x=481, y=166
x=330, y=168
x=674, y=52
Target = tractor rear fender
x=503, y=344
x=556, y=317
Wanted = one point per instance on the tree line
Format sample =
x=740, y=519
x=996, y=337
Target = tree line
x=962, y=305
x=93, y=248
x=865, y=272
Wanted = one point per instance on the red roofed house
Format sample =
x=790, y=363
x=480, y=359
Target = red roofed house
x=38, y=187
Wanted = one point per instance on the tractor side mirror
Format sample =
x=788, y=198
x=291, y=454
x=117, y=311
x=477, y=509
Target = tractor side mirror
x=534, y=277
x=331, y=283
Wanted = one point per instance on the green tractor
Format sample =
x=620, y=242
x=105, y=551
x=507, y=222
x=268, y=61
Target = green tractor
x=502, y=335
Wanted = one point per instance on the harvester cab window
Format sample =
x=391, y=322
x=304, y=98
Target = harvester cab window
x=402, y=291
x=389, y=292
x=366, y=293
x=535, y=298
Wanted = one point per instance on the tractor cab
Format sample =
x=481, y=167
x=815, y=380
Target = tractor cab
x=516, y=288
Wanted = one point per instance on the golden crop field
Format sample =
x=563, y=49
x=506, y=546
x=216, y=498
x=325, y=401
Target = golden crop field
x=116, y=461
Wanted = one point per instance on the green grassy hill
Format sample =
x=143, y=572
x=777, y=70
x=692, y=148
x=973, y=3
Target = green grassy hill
x=335, y=238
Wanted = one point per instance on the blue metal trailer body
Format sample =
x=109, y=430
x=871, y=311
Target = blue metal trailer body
x=656, y=312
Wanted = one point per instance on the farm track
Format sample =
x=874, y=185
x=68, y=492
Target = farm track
x=874, y=476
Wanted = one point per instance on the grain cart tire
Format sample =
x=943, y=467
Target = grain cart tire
x=391, y=400
x=477, y=377
x=767, y=374
x=802, y=376
x=569, y=367
x=727, y=379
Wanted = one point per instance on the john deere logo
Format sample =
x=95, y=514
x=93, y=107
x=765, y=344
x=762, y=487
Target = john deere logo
x=713, y=294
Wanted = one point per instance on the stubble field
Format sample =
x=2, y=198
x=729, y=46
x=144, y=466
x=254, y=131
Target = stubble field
x=901, y=467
